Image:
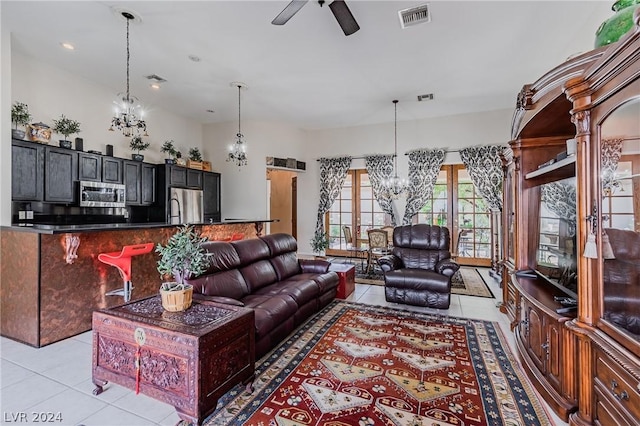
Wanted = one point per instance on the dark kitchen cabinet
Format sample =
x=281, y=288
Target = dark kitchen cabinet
x=27, y=178
x=89, y=167
x=194, y=179
x=60, y=174
x=211, y=196
x=148, y=184
x=111, y=170
x=140, y=181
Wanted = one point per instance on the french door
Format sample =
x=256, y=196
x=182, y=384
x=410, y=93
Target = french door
x=453, y=204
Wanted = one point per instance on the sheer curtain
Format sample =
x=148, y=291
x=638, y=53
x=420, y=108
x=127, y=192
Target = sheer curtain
x=379, y=168
x=333, y=172
x=424, y=166
x=485, y=169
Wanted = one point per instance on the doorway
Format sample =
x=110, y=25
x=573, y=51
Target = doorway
x=283, y=201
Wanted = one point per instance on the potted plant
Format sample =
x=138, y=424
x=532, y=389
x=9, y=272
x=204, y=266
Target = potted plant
x=66, y=126
x=137, y=144
x=20, y=117
x=182, y=257
x=171, y=151
x=319, y=243
x=195, y=159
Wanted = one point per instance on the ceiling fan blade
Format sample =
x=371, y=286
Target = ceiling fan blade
x=344, y=17
x=288, y=12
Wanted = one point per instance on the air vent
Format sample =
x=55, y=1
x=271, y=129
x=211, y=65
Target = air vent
x=414, y=16
x=427, y=97
x=155, y=78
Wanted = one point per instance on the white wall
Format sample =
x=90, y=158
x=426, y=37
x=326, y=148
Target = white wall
x=51, y=91
x=5, y=125
x=244, y=193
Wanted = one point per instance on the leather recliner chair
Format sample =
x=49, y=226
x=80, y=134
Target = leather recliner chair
x=419, y=269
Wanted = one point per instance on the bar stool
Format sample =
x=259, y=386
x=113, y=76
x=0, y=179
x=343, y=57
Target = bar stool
x=122, y=261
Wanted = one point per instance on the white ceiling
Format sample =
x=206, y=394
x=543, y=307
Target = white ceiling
x=473, y=55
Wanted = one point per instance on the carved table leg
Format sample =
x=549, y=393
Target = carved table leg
x=99, y=386
x=249, y=384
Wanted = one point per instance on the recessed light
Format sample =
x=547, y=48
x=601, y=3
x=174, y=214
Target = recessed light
x=68, y=46
x=154, y=86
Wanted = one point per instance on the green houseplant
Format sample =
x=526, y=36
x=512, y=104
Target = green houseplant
x=66, y=126
x=138, y=145
x=19, y=117
x=182, y=257
x=319, y=243
x=169, y=148
x=194, y=154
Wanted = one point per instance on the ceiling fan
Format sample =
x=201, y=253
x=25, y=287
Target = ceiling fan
x=339, y=8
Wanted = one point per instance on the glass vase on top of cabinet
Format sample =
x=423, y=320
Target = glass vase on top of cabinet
x=571, y=252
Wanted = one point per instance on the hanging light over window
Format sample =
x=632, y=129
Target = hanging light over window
x=128, y=114
x=395, y=187
x=237, y=151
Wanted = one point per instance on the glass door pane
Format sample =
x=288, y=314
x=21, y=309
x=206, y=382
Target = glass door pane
x=473, y=219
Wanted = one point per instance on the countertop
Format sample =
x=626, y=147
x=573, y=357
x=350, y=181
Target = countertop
x=101, y=227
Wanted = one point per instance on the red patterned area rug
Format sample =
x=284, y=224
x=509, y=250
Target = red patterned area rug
x=355, y=364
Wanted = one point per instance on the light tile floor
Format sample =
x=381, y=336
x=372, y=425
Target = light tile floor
x=57, y=378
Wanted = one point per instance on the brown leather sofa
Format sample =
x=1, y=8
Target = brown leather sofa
x=622, y=280
x=265, y=274
x=419, y=269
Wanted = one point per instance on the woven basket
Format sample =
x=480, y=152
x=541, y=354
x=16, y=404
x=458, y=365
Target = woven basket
x=177, y=300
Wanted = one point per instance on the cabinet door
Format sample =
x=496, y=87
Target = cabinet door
x=194, y=179
x=26, y=171
x=131, y=176
x=111, y=170
x=89, y=167
x=148, y=184
x=177, y=176
x=211, y=194
x=60, y=172
x=554, y=352
x=536, y=336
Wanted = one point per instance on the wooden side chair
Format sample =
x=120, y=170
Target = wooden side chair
x=378, y=247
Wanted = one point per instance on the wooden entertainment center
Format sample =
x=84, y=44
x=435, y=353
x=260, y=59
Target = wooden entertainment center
x=575, y=318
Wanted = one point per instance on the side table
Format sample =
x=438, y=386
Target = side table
x=347, y=275
x=187, y=359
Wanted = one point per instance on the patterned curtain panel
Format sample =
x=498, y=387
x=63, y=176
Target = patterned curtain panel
x=560, y=199
x=424, y=166
x=611, y=151
x=485, y=169
x=379, y=168
x=333, y=172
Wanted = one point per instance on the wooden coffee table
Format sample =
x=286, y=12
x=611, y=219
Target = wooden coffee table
x=187, y=359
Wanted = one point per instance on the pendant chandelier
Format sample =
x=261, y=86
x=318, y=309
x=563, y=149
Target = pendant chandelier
x=237, y=151
x=128, y=114
x=395, y=187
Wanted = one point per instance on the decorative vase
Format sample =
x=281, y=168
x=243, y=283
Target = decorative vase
x=65, y=144
x=169, y=161
x=17, y=134
x=619, y=24
x=137, y=157
x=177, y=300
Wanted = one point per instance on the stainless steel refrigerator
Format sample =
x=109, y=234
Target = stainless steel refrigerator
x=185, y=206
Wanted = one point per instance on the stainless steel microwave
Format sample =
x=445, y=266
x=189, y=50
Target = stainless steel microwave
x=98, y=194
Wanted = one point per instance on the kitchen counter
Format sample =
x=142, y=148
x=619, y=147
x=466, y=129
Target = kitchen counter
x=100, y=227
x=52, y=280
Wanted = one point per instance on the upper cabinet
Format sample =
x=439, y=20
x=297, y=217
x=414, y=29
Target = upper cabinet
x=27, y=172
